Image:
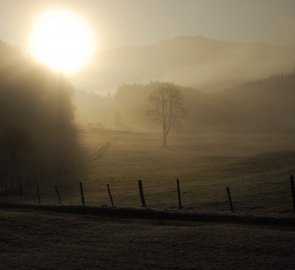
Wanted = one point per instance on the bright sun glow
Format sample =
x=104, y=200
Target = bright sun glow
x=62, y=40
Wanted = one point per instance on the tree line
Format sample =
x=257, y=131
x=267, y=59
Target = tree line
x=36, y=110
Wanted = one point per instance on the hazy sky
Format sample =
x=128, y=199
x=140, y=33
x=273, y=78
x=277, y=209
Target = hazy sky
x=134, y=22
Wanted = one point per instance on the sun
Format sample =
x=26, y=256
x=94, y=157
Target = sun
x=62, y=41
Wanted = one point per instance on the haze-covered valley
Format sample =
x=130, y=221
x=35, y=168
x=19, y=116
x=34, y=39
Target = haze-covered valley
x=147, y=134
x=84, y=133
x=199, y=62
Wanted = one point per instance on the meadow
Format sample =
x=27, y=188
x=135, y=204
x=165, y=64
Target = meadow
x=256, y=167
x=44, y=240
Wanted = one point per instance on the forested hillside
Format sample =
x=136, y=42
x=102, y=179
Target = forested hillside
x=262, y=105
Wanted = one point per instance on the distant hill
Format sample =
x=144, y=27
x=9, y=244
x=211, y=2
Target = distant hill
x=191, y=61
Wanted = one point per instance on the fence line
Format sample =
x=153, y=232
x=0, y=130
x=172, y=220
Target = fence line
x=7, y=191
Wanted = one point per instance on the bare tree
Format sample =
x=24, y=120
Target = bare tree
x=167, y=108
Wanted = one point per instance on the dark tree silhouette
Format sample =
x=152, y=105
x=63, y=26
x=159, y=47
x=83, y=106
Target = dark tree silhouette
x=167, y=108
x=18, y=140
x=36, y=105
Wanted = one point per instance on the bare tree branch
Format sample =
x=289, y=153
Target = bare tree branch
x=167, y=109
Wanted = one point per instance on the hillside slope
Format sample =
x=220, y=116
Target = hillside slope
x=192, y=61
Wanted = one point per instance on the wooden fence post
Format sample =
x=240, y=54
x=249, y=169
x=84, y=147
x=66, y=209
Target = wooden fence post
x=230, y=199
x=6, y=191
x=82, y=194
x=58, y=195
x=178, y=194
x=11, y=184
x=292, y=191
x=38, y=194
x=21, y=190
x=140, y=186
x=110, y=195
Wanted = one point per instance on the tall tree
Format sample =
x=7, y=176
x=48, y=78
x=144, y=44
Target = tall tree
x=167, y=108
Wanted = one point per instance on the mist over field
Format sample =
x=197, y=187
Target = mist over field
x=263, y=105
x=147, y=134
x=192, y=61
x=56, y=133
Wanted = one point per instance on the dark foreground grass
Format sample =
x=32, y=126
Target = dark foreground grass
x=32, y=239
x=155, y=214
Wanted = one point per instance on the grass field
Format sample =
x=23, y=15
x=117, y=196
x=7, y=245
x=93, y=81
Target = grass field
x=44, y=240
x=255, y=166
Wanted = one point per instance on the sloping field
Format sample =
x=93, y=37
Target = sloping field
x=43, y=240
x=256, y=167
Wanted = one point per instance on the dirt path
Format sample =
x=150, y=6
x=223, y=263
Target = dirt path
x=39, y=240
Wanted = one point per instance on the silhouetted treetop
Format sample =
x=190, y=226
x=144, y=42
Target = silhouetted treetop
x=35, y=100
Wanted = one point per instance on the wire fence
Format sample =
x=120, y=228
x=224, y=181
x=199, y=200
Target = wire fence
x=224, y=198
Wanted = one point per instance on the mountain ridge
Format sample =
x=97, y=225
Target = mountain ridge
x=196, y=61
